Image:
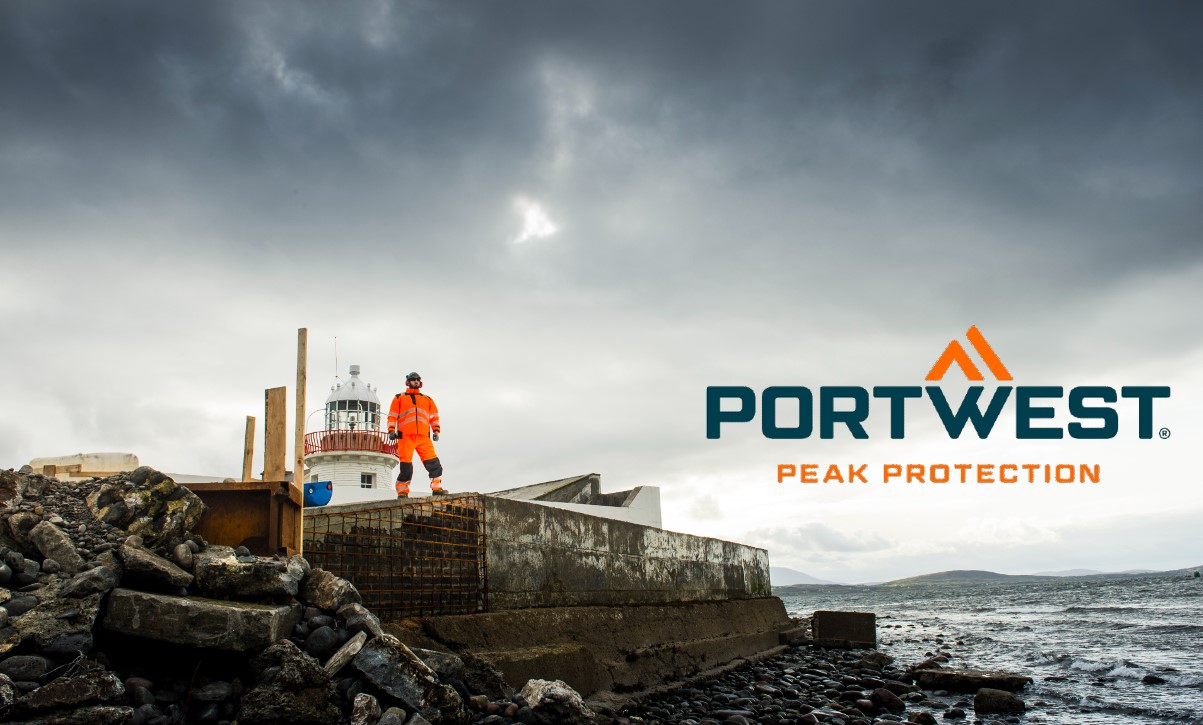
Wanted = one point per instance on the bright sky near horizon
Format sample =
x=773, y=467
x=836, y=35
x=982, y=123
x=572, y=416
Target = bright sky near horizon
x=573, y=218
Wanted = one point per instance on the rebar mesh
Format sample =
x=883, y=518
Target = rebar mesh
x=408, y=559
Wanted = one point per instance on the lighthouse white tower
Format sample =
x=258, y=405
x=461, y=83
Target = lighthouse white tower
x=351, y=451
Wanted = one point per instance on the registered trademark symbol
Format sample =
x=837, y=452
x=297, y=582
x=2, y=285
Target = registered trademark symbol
x=1164, y=433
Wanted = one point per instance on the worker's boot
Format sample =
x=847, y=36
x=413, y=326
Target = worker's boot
x=436, y=487
x=402, y=489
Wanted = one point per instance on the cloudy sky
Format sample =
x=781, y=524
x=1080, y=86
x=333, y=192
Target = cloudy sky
x=573, y=218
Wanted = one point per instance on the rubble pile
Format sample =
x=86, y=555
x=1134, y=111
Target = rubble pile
x=113, y=611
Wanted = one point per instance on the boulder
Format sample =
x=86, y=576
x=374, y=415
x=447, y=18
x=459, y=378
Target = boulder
x=145, y=568
x=92, y=581
x=199, y=622
x=20, y=524
x=292, y=689
x=94, y=715
x=390, y=666
x=93, y=685
x=988, y=701
x=446, y=666
x=555, y=701
x=8, y=693
x=359, y=618
x=31, y=668
x=922, y=717
x=365, y=710
x=157, y=509
x=883, y=698
x=329, y=592
x=12, y=487
x=969, y=680
x=220, y=573
x=59, y=626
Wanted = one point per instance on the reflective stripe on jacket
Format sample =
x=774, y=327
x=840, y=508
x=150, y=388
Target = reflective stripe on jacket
x=413, y=413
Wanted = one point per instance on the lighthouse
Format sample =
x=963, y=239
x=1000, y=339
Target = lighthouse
x=351, y=451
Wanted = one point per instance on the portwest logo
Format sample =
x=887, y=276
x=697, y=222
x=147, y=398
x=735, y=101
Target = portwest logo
x=1092, y=406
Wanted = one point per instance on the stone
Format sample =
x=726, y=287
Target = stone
x=157, y=509
x=954, y=713
x=365, y=710
x=292, y=689
x=921, y=717
x=393, y=669
x=26, y=667
x=12, y=487
x=92, y=581
x=183, y=556
x=359, y=618
x=59, y=624
x=94, y=715
x=10, y=639
x=446, y=666
x=393, y=716
x=321, y=643
x=340, y=658
x=20, y=604
x=990, y=701
x=54, y=544
x=883, y=698
x=555, y=701
x=92, y=686
x=1152, y=680
x=144, y=567
x=20, y=524
x=51, y=566
x=199, y=622
x=219, y=573
x=969, y=680
x=329, y=592
x=8, y=692
x=216, y=691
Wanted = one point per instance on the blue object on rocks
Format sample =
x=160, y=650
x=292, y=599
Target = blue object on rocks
x=318, y=494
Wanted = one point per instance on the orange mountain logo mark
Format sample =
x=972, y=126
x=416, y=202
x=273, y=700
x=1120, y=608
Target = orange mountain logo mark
x=956, y=353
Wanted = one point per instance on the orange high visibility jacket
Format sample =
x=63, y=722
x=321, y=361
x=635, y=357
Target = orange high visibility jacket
x=413, y=413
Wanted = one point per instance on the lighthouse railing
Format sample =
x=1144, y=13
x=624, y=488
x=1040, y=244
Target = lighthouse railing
x=329, y=441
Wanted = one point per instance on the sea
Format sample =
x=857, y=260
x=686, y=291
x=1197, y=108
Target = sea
x=1087, y=643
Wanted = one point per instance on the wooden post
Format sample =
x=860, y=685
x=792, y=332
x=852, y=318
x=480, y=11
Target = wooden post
x=275, y=434
x=298, y=475
x=248, y=448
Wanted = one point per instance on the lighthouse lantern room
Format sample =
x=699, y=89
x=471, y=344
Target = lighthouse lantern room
x=351, y=451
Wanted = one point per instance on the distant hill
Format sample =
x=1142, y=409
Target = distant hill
x=782, y=577
x=1077, y=572
x=974, y=576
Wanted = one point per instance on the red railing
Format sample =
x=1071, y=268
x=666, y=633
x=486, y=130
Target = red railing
x=329, y=441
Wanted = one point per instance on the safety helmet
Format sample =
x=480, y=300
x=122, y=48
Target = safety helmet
x=412, y=376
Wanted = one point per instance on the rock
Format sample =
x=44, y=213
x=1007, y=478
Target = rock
x=954, y=713
x=922, y=717
x=359, y=618
x=95, y=715
x=198, y=622
x=26, y=667
x=329, y=592
x=219, y=573
x=365, y=710
x=393, y=716
x=20, y=524
x=157, y=509
x=216, y=691
x=12, y=487
x=6, y=573
x=292, y=689
x=555, y=701
x=988, y=701
x=393, y=669
x=183, y=556
x=446, y=666
x=969, y=680
x=54, y=544
x=51, y=566
x=143, y=567
x=321, y=643
x=10, y=639
x=1152, y=680
x=8, y=693
x=20, y=604
x=93, y=581
x=93, y=685
x=345, y=653
x=883, y=698
x=481, y=676
x=63, y=626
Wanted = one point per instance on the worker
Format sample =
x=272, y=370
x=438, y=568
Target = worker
x=413, y=420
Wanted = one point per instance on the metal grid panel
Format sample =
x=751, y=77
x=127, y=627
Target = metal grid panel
x=409, y=559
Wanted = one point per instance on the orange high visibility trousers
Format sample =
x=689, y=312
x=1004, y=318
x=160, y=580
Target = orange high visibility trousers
x=410, y=442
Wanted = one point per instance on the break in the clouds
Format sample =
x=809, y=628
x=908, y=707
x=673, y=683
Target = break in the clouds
x=714, y=193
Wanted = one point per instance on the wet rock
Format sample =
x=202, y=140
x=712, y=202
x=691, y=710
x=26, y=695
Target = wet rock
x=393, y=716
x=62, y=626
x=327, y=591
x=345, y=653
x=393, y=669
x=359, y=619
x=921, y=717
x=220, y=573
x=883, y=698
x=8, y=693
x=989, y=701
x=365, y=710
x=183, y=556
x=238, y=626
x=95, y=715
x=321, y=643
x=20, y=604
x=555, y=701
x=216, y=691
x=954, y=713
x=92, y=581
x=145, y=568
x=292, y=689
x=969, y=680
x=20, y=524
x=1152, y=680
x=157, y=509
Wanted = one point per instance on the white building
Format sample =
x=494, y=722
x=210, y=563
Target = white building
x=351, y=451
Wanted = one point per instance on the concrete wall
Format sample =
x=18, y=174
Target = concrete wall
x=547, y=557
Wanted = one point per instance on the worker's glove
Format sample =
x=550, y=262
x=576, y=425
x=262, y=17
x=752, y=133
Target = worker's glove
x=392, y=436
x=435, y=437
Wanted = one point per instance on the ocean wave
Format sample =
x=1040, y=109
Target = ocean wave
x=1103, y=610
x=1176, y=628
